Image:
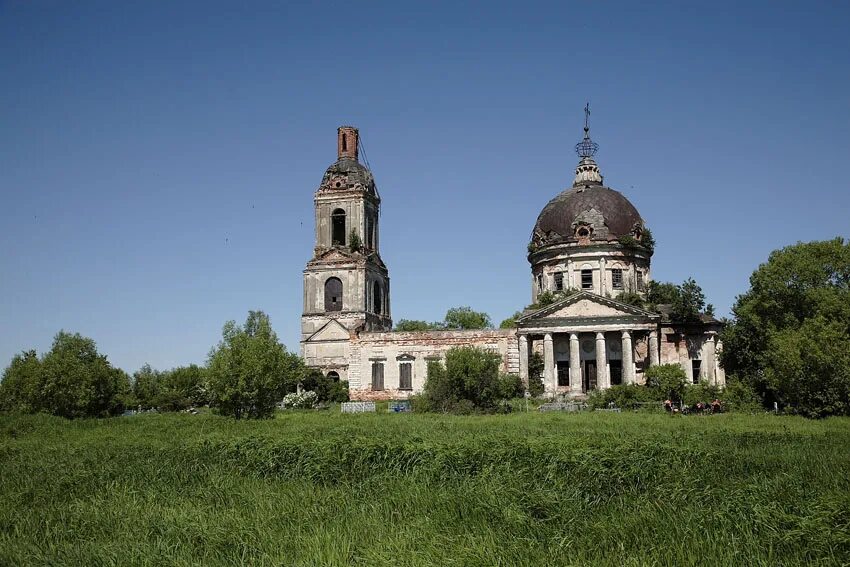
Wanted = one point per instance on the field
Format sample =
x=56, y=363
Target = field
x=331, y=489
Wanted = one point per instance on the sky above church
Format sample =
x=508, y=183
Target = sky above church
x=158, y=159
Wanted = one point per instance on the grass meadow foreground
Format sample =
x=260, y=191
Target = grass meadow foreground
x=331, y=489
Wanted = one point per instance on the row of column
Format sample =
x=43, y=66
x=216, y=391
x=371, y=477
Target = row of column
x=549, y=374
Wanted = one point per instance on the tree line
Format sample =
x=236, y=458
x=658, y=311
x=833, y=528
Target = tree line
x=246, y=374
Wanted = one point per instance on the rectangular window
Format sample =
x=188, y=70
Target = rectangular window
x=377, y=376
x=696, y=365
x=617, y=278
x=640, y=280
x=405, y=375
x=539, y=283
x=559, y=281
x=587, y=279
x=563, y=373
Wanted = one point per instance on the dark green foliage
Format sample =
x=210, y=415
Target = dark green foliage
x=740, y=396
x=146, y=386
x=625, y=397
x=647, y=240
x=466, y=318
x=631, y=298
x=328, y=389
x=510, y=322
x=688, y=303
x=535, y=375
x=511, y=386
x=72, y=380
x=668, y=380
x=250, y=370
x=661, y=293
x=329, y=489
x=702, y=392
x=172, y=390
x=798, y=299
x=354, y=243
x=414, y=325
x=468, y=382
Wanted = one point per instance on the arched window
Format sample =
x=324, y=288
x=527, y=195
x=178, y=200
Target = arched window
x=333, y=294
x=370, y=236
x=333, y=375
x=338, y=227
x=377, y=299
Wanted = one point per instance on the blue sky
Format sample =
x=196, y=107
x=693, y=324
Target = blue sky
x=158, y=159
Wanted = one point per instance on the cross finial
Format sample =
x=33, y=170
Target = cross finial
x=586, y=117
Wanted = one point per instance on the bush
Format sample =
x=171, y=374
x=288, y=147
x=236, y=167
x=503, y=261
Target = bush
x=740, y=396
x=304, y=400
x=511, y=386
x=702, y=392
x=72, y=380
x=469, y=382
x=535, y=375
x=668, y=380
x=623, y=396
x=327, y=389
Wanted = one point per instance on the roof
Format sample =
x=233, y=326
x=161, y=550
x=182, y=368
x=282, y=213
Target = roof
x=606, y=211
x=348, y=173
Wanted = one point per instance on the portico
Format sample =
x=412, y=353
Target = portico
x=589, y=342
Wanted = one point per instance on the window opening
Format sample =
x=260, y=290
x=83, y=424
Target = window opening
x=563, y=373
x=615, y=367
x=559, y=281
x=405, y=375
x=617, y=278
x=696, y=366
x=377, y=299
x=333, y=294
x=333, y=375
x=539, y=283
x=587, y=279
x=338, y=227
x=640, y=281
x=377, y=376
x=344, y=144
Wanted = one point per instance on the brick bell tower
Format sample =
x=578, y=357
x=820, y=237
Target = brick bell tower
x=346, y=284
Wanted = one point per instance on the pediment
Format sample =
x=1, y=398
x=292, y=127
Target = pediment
x=333, y=255
x=333, y=330
x=586, y=305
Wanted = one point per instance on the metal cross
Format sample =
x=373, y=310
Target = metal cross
x=586, y=115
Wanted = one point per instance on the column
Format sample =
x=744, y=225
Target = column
x=601, y=362
x=709, y=363
x=719, y=372
x=523, y=359
x=653, y=348
x=628, y=359
x=602, y=275
x=575, y=365
x=548, y=363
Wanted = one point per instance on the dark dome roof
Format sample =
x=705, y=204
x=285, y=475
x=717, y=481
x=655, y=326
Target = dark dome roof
x=348, y=173
x=606, y=212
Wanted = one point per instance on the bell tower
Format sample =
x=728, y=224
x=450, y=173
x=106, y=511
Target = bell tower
x=346, y=284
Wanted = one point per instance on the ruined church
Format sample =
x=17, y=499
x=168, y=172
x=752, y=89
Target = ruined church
x=588, y=239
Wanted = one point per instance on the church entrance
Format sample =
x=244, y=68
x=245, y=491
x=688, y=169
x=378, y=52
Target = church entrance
x=616, y=369
x=589, y=378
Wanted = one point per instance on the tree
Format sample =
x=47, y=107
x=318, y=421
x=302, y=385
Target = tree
x=510, y=322
x=21, y=381
x=535, y=375
x=798, y=298
x=415, y=325
x=668, y=380
x=688, y=302
x=469, y=381
x=661, y=293
x=466, y=318
x=250, y=370
x=326, y=389
x=146, y=386
x=72, y=380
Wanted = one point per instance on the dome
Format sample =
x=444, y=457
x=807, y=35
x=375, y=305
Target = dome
x=348, y=173
x=587, y=213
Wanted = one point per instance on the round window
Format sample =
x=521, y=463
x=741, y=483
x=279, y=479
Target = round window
x=587, y=346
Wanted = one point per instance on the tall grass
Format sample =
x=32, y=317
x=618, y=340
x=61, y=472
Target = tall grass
x=329, y=489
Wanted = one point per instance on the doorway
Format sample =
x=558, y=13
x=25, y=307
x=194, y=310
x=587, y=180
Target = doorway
x=589, y=381
x=616, y=369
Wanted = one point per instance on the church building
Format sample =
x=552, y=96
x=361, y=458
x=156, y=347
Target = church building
x=589, y=249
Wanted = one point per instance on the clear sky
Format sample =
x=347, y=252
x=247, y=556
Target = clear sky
x=158, y=159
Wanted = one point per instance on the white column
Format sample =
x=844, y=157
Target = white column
x=523, y=359
x=602, y=274
x=719, y=372
x=549, y=363
x=709, y=363
x=628, y=359
x=601, y=362
x=575, y=365
x=653, y=348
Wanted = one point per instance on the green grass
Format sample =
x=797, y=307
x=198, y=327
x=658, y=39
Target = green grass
x=331, y=489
